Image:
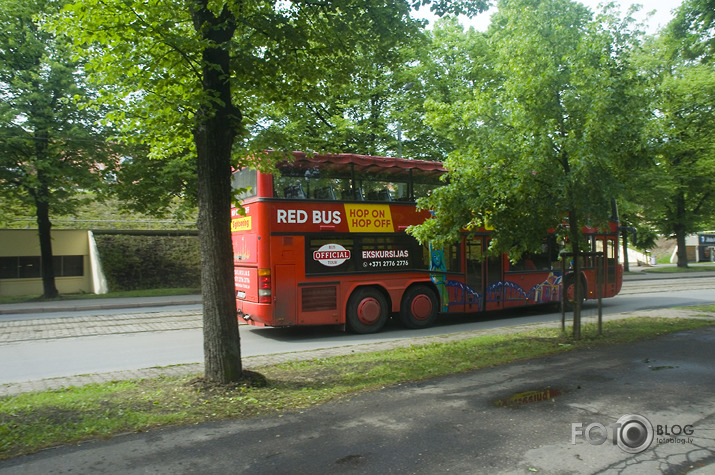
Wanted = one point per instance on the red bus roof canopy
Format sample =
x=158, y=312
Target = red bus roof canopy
x=368, y=163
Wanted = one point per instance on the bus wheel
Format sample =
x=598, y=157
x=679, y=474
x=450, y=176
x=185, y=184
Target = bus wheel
x=419, y=307
x=571, y=293
x=367, y=311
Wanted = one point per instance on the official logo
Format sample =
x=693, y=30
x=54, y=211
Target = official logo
x=331, y=255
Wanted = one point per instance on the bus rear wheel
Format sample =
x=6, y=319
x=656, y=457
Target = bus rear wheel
x=419, y=307
x=367, y=311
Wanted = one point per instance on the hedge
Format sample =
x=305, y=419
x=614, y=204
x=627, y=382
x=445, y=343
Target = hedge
x=136, y=262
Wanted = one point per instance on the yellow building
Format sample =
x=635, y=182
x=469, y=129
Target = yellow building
x=76, y=261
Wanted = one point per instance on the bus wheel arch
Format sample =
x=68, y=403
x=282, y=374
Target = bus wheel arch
x=368, y=309
x=420, y=306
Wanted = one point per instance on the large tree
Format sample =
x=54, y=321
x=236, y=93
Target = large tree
x=190, y=77
x=50, y=146
x=546, y=139
x=353, y=109
x=678, y=192
x=691, y=32
x=443, y=74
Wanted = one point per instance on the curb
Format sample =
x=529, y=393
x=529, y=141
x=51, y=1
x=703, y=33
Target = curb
x=80, y=305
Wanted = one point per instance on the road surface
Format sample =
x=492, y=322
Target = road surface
x=52, y=345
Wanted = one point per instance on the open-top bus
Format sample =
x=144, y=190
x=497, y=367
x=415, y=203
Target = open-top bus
x=324, y=243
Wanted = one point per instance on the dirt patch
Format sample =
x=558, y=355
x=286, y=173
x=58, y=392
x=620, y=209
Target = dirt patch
x=250, y=379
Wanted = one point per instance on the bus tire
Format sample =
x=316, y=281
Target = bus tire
x=570, y=301
x=367, y=311
x=419, y=307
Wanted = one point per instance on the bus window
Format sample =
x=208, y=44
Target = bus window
x=475, y=256
x=314, y=183
x=534, y=261
x=423, y=185
x=610, y=249
x=340, y=182
x=326, y=193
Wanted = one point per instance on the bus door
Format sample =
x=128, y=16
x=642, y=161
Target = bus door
x=285, y=297
x=493, y=291
x=609, y=266
x=474, y=270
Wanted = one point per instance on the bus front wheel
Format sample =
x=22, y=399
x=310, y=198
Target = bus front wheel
x=367, y=311
x=419, y=307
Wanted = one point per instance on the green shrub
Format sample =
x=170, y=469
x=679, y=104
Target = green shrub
x=132, y=262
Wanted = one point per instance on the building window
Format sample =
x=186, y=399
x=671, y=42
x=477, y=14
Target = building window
x=30, y=267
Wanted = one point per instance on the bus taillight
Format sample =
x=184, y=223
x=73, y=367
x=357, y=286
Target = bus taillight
x=264, y=286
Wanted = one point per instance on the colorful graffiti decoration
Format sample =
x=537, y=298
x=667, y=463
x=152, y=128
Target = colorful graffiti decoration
x=439, y=278
x=455, y=293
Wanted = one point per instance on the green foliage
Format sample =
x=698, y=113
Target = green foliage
x=683, y=151
x=50, y=147
x=692, y=31
x=443, y=74
x=149, y=262
x=99, y=213
x=547, y=131
x=677, y=190
x=356, y=108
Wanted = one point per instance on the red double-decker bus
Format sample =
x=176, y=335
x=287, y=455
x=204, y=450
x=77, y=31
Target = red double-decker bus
x=324, y=243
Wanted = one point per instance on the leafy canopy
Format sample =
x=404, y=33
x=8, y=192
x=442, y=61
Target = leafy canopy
x=51, y=147
x=304, y=74
x=548, y=131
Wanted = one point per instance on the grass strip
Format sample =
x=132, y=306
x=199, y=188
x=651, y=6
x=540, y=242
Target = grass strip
x=707, y=309
x=33, y=421
x=678, y=270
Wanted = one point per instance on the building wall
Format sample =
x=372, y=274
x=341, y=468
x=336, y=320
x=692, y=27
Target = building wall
x=26, y=243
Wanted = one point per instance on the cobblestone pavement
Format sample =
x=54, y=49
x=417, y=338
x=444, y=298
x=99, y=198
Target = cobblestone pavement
x=69, y=327
x=93, y=325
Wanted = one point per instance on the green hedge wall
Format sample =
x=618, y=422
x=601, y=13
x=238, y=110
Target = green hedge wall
x=133, y=262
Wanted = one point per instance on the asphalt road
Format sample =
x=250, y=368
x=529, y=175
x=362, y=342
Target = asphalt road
x=50, y=345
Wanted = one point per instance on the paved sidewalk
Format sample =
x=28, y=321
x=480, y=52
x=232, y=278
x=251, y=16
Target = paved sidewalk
x=43, y=306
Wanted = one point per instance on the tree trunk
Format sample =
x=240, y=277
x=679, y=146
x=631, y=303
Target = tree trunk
x=682, y=254
x=44, y=226
x=626, y=266
x=214, y=133
x=574, y=236
x=680, y=230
